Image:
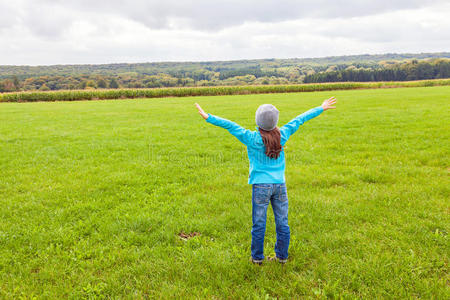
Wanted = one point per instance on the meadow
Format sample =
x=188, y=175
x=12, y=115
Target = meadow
x=143, y=199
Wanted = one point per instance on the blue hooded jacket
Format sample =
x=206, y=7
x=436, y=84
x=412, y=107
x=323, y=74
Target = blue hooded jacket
x=264, y=169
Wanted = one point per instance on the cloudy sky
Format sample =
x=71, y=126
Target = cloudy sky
x=36, y=32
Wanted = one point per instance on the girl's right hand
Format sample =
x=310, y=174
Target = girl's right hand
x=328, y=104
x=201, y=112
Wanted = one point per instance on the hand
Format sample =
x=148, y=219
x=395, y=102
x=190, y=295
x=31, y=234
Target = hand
x=201, y=112
x=327, y=104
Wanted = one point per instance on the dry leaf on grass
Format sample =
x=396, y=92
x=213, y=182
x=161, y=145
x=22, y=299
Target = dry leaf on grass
x=186, y=236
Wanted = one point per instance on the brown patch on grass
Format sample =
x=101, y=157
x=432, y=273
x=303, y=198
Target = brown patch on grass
x=186, y=236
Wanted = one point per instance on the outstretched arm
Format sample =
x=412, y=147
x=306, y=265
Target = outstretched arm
x=242, y=134
x=291, y=127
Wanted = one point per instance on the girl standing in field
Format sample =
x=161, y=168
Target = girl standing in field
x=267, y=165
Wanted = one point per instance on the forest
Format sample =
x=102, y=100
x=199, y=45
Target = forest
x=358, y=68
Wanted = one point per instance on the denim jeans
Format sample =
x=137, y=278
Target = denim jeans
x=276, y=194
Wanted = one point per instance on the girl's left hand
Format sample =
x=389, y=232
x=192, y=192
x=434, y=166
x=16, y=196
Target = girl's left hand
x=201, y=112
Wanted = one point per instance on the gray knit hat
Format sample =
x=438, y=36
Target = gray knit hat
x=267, y=117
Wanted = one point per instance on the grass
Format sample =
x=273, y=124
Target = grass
x=103, y=94
x=94, y=195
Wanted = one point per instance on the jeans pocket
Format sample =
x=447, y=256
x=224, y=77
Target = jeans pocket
x=262, y=193
x=283, y=197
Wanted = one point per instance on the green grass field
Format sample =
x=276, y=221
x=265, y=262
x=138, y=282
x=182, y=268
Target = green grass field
x=94, y=195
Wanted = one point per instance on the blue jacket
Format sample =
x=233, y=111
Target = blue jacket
x=264, y=169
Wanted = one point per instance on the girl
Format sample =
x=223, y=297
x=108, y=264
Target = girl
x=267, y=165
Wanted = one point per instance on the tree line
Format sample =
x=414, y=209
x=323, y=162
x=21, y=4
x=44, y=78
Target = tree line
x=413, y=70
x=268, y=72
x=86, y=82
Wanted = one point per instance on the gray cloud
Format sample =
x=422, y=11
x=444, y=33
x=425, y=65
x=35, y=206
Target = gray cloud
x=8, y=16
x=62, y=31
x=218, y=14
x=202, y=14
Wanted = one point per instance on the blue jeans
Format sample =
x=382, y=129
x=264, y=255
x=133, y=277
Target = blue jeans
x=276, y=194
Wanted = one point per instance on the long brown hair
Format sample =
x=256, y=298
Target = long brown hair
x=272, y=142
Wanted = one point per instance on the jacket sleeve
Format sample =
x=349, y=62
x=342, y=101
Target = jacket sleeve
x=242, y=134
x=291, y=127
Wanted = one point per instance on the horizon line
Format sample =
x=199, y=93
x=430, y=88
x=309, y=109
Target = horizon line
x=230, y=60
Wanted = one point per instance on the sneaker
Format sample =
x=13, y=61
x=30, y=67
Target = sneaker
x=281, y=261
x=256, y=261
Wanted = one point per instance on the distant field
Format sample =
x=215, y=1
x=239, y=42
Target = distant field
x=104, y=94
x=95, y=194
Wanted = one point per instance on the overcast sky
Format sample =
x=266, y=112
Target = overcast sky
x=37, y=32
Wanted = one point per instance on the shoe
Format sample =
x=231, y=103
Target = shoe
x=256, y=261
x=281, y=261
